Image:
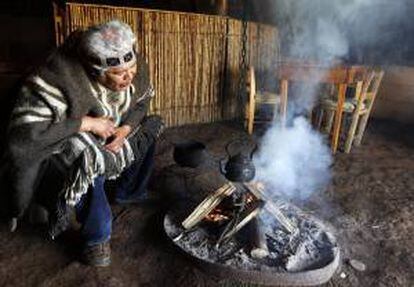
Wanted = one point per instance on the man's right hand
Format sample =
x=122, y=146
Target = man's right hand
x=102, y=126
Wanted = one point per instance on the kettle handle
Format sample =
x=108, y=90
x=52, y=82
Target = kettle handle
x=254, y=150
x=222, y=166
x=228, y=145
x=238, y=140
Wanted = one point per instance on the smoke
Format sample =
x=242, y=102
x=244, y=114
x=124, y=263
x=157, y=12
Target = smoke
x=293, y=161
x=329, y=30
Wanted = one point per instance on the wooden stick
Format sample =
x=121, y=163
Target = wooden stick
x=207, y=205
x=270, y=206
x=242, y=223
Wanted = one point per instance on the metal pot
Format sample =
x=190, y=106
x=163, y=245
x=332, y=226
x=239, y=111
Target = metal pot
x=239, y=166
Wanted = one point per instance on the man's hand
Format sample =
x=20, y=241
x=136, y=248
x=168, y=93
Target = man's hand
x=118, y=139
x=102, y=126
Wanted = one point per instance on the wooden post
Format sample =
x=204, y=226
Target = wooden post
x=252, y=101
x=221, y=7
x=58, y=23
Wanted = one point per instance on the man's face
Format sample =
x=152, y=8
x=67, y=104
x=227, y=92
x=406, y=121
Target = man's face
x=118, y=79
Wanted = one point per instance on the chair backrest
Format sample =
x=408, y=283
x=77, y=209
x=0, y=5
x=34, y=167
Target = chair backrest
x=371, y=79
x=356, y=73
x=313, y=74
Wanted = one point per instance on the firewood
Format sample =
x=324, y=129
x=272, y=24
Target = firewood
x=207, y=205
x=246, y=217
x=270, y=206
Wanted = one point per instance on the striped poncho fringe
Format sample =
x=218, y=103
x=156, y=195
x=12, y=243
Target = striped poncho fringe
x=91, y=161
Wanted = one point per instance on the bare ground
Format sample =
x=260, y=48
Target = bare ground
x=370, y=203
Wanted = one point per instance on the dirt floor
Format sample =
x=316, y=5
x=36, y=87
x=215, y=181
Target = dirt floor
x=370, y=203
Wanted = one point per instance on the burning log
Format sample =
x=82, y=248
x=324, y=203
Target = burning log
x=257, y=190
x=258, y=240
x=207, y=205
x=247, y=214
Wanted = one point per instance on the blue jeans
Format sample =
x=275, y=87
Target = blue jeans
x=93, y=210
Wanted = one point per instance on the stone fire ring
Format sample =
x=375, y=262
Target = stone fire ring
x=303, y=278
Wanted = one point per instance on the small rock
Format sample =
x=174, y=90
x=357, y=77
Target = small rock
x=357, y=265
x=342, y=275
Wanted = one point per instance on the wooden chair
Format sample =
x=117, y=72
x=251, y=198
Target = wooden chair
x=355, y=103
x=336, y=78
x=256, y=99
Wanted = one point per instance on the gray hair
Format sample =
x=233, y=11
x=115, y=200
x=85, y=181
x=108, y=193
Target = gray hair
x=109, y=45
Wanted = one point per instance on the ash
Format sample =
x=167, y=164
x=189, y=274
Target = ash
x=310, y=247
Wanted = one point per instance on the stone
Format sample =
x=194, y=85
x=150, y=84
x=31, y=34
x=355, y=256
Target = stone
x=357, y=265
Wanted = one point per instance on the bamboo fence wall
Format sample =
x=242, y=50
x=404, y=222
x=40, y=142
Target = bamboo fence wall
x=194, y=59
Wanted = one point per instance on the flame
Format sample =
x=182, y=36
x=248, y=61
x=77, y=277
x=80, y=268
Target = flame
x=217, y=215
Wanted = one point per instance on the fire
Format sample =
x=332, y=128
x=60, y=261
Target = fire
x=217, y=215
x=221, y=213
x=250, y=198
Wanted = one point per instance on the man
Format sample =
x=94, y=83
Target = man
x=79, y=120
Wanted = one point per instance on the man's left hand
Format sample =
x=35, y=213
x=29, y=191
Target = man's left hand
x=117, y=140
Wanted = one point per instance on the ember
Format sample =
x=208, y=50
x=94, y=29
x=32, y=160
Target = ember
x=217, y=215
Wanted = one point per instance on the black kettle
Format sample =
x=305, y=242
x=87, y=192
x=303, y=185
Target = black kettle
x=239, y=166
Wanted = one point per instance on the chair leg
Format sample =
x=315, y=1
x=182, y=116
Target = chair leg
x=355, y=118
x=329, y=121
x=364, y=120
x=361, y=129
x=319, y=118
x=351, y=134
x=283, y=101
x=338, y=118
